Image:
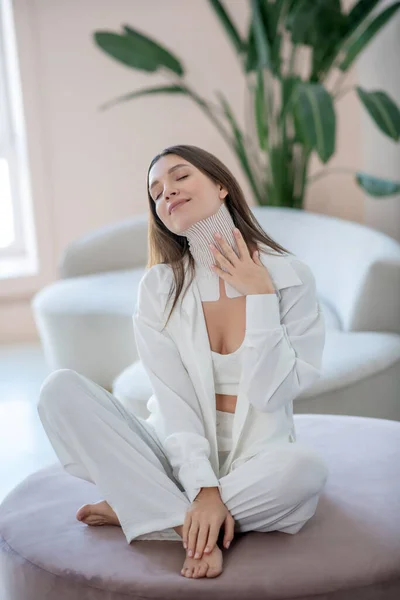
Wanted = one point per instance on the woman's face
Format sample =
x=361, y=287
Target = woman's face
x=169, y=183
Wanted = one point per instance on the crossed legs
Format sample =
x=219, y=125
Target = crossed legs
x=97, y=439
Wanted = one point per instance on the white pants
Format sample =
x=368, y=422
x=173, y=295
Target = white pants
x=97, y=439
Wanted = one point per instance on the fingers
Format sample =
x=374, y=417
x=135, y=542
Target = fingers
x=229, y=531
x=212, y=538
x=241, y=244
x=201, y=536
x=228, y=255
x=220, y=257
x=201, y=540
x=192, y=538
x=185, y=530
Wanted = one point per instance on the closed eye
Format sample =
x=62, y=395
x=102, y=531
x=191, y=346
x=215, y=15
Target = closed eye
x=179, y=178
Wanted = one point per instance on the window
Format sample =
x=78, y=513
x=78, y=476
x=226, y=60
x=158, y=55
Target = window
x=17, y=244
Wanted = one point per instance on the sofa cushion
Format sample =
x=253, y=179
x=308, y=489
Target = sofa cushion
x=349, y=550
x=348, y=358
x=353, y=356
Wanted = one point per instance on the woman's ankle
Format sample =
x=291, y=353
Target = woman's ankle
x=179, y=529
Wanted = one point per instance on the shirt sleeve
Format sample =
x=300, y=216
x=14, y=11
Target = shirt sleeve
x=285, y=339
x=174, y=406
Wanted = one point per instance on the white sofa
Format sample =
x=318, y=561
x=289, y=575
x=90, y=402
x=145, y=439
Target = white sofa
x=85, y=318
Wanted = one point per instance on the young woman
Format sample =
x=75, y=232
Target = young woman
x=219, y=448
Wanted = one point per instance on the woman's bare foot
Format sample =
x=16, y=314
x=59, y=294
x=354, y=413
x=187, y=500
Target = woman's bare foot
x=209, y=565
x=99, y=513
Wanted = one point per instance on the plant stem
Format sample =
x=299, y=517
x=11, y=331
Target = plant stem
x=249, y=126
x=342, y=92
x=338, y=82
x=292, y=61
x=306, y=158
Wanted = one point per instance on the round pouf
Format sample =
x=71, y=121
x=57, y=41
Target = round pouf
x=349, y=550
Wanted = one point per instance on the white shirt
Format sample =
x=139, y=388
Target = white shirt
x=284, y=341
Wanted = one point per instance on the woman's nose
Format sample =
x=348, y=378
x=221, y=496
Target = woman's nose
x=170, y=193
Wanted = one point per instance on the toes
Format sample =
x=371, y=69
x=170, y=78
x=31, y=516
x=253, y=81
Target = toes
x=83, y=512
x=213, y=572
x=94, y=520
x=201, y=571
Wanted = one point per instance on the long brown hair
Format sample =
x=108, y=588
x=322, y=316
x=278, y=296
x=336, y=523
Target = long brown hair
x=166, y=247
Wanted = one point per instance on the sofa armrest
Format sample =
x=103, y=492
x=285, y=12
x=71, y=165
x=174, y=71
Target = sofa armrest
x=356, y=267
x=360, y=278
x=377, y=305
x=119, y=246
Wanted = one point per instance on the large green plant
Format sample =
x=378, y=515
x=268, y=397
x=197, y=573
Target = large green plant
x=291, y=116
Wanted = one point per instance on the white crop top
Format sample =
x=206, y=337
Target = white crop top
x=227, y=368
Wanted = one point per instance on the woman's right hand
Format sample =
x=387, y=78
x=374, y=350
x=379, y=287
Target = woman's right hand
x=203, y=520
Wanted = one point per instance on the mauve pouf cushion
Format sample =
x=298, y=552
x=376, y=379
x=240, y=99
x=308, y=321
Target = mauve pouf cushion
x=349, y=550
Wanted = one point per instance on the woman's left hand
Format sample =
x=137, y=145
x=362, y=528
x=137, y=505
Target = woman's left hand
x=245, y=273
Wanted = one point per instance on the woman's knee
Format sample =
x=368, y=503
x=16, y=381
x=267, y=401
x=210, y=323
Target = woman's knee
x=56, y=389
x=305, y=473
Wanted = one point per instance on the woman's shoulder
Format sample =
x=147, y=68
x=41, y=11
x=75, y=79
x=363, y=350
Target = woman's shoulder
x=288, y=269
x=155, y=276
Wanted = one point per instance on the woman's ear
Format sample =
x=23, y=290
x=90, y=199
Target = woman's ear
x=223, y=192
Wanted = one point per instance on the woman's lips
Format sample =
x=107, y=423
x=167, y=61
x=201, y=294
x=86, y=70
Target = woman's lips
x=179, y=205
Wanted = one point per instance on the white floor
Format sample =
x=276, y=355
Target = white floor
x=24, y=447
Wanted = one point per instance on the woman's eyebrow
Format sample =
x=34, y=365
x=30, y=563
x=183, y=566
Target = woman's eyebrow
x=169, y=171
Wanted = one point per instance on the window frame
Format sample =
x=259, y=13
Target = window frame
x=9, y=130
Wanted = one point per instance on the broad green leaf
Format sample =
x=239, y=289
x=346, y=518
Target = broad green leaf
x=314, y=118
x=357, y=44
x=354, y=19
x=358, y=13
x=311, y=22
x=375, y=186
x=164, y=56
x=251, y=52
x=276, y=10
x=267, y=16
x=383, y=111
x=165, y=89
x=288, y=87
x=136, y=51
x=261, y=38
x=228, y=25
x=319, y=24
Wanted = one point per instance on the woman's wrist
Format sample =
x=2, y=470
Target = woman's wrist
x=208, y=490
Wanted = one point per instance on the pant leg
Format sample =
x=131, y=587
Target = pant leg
x=277, y=490
x=97, y=439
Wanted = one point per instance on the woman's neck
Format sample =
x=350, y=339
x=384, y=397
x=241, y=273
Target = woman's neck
x=201, y=234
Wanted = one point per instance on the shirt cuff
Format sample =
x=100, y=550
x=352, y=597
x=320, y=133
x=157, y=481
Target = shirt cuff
x=262, y=312
x=195, y=475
